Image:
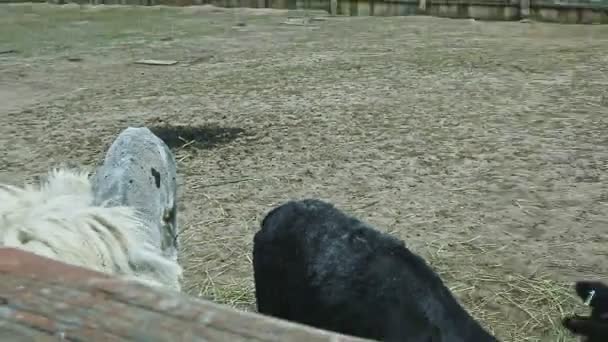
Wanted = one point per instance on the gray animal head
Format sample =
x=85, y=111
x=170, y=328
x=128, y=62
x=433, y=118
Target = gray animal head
x=139, y=171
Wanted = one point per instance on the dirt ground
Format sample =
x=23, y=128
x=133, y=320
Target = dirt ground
x=483, y=145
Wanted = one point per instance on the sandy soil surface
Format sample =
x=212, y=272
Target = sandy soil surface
x=483, y=145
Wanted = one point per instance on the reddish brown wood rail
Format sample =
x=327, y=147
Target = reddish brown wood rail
x=45, y=300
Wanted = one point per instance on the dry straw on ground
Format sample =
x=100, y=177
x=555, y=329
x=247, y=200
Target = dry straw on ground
x=481, y=144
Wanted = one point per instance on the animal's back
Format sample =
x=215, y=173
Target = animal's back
x=139, y=171
x=57, y=217
x=335, y=272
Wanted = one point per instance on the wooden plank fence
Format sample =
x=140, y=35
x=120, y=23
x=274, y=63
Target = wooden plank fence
x=561, y=11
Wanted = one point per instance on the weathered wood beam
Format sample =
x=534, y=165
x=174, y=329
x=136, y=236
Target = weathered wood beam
x=46, y=300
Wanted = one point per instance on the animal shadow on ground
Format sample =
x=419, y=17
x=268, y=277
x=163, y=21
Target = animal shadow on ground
x=195, y=137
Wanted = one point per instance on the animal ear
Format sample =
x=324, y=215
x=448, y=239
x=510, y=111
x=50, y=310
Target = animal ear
x=594, y=293
x=586, y=326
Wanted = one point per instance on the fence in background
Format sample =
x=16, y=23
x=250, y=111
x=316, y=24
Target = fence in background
x=560, y=11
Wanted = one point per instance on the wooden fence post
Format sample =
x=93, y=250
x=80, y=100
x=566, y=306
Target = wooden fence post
x=524, y=9
x=422, y=5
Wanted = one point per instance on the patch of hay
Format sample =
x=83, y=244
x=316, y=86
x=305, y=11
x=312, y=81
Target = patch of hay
x=514, y=307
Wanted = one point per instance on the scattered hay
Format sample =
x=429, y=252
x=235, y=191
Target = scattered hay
x=512, y=306
x=238, y=294
x=210, y=283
